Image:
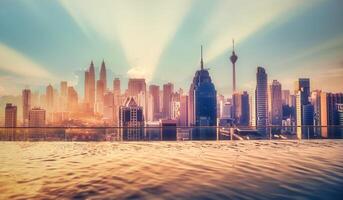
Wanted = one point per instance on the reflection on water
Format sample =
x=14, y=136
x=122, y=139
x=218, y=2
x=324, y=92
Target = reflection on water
x=166, y=133
x=259, y=169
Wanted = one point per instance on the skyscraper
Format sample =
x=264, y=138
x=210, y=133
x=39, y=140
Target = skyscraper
x=135, y=86
x=245, y=117
x=90, y=86
x=10, y=115
x=233, y=60
x=203, y=98
x=108, y=112
x=100, y=89
x=261, y=101
x=49, y=98
x=168, y=90
x=26, y=95
x=64, y=94
x=276, y=103
x=154, y=91
x=328, y=112
x=286, y=98
x=303, y=85
x=116, y=87
x=103, y=75
x=236, y=107
x=72, y=98
x=183, y=121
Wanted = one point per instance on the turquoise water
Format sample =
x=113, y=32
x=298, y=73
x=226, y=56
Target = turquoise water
x=259, y=169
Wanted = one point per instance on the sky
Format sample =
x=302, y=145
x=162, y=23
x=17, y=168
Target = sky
x=44, y=42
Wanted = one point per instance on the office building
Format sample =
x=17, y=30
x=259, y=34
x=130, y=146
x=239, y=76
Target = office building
x=26, y=96
x=275, y=103
x=203, y=98
x=261, y=100
x=37, y=117
x=154, y=91
x=10, y=115
x=168, y=90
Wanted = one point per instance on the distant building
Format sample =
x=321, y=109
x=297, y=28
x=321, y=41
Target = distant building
x=261, y=101
x=108, y=112
x=49, y=98
x=72, y=99
x=90, y=87
x=116, y=87
x=236, y=107
x=10, y=115
x=154, y=91
x=63, y=96
x=276, y=103
x=26, y=95
x=168, y=90
x=302, y=91
x=286, y=97
x=100, y=89
x=37, y=117
x=184, y=102
x=102, y=76
x=245, y=116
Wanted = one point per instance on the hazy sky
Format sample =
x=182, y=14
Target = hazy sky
x=45, y=42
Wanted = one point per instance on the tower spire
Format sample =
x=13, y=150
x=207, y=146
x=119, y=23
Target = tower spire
x=233, y=45
x=201, y=62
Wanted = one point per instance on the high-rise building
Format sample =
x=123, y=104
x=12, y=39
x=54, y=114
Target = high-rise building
x=64, y=95
x=286, y=99
x=103, y=75
x=303, y=85
x=37, y=117
x=135, y=86
x=49, y=98
x=168, y=90
x=203, y=98
x=116, y=87
x=100, y=89
x=328, y=112
x=183, y=120
x=236, y=108
x=90, y=86
x=315, y=101
x=72, y=98
x=154, y=91
x=340, y=115
x=26, y=95
x=245, y=117
x=276, y=103
x=64, y=88
x=261, y=100
x=233, y=60
x=108, y=111
x=10, y=115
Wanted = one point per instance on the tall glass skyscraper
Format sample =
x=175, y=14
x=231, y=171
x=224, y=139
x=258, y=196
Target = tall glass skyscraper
x=261, y=100
x=204, y=98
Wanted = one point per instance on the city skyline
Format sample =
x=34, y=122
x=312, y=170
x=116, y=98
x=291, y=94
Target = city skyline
x=302, y=52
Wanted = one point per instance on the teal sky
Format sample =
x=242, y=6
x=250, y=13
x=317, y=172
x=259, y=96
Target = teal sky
x=45, y=42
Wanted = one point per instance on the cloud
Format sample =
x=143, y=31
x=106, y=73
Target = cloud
x=143, y=28
x=240, y=19
x=16, y=63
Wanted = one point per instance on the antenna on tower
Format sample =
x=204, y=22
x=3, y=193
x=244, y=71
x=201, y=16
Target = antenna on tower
x=201, y=62
x=233, y=45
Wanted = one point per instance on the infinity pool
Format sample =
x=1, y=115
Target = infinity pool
x=282, y=169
